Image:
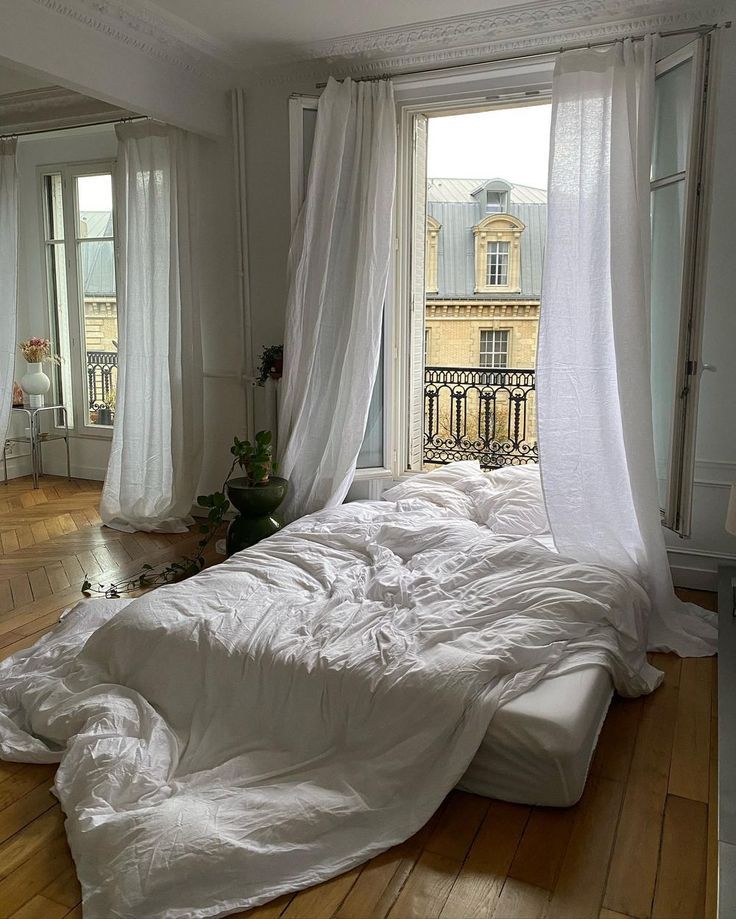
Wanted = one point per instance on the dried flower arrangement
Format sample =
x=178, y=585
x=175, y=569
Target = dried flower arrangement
x=38, y=350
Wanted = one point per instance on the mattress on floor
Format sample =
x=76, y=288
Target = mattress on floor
x=538, y=748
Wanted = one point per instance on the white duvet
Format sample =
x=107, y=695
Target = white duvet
x=308, y=703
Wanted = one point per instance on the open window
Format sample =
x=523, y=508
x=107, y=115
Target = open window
x=302, y=124
x=79, y=244
x=678, y=246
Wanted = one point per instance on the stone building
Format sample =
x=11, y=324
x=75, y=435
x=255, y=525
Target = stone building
x=485, y=247
x=483, y=272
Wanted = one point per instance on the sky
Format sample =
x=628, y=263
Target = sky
x=95, y=193
x=508, y=144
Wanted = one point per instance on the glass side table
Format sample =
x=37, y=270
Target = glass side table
x=38, y=438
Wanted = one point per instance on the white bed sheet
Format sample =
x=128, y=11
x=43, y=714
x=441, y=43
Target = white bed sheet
x=308, y=703
x=539, y=746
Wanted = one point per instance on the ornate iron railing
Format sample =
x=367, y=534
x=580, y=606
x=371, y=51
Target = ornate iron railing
x=477, y=413
x=102, y=377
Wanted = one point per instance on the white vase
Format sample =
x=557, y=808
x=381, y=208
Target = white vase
x=35, y=384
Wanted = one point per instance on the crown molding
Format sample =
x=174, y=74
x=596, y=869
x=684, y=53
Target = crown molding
x=537, y=27
x=144, y=27
x=52, y=107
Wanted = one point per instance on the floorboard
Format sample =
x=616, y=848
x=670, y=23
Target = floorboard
x=639, y=845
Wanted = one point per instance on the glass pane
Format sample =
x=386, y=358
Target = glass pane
x=94, y=200
x=100, y=327
x=62, y=374
x=672, y=120
x=54, y=207
x=667, y=261
x=309, y=123
x=371, y=450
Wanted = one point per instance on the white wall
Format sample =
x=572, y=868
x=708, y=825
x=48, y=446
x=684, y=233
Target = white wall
x=695, y=560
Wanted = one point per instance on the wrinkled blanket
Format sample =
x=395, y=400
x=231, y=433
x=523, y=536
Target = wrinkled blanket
x=308, y=703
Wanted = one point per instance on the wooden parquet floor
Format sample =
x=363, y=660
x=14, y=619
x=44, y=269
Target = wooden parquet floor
x=641, y=843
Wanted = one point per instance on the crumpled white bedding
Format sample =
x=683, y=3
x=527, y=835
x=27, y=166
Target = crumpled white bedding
x=308, y=703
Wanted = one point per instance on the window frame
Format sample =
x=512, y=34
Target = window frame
x=69, y=172
x=503, y=257
x=477, y=87
x=493, y=352
x=676, y=515
x=298, y=103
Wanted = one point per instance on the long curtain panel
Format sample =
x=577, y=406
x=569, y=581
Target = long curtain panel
x=157, y=443
x=8, y=276
x=338, y=271
x=593, y=366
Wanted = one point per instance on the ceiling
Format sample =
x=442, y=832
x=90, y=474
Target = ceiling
x=13, y=80
x=284, y=28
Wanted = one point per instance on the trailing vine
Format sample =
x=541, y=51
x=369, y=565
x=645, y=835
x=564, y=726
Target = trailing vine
x=255, y=459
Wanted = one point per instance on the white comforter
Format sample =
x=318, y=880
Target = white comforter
x=308, y=703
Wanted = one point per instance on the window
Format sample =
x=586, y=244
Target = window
x=302, y=125
x=498, y=254
x=678, y=179
x=494, y=348
x=495, y=202
x=497, y=270
x=80, y=271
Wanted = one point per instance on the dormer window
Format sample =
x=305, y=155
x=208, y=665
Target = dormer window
x=496, y=201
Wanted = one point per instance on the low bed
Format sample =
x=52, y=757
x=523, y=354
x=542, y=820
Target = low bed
x=307, y=704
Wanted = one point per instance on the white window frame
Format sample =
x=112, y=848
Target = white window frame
x=677, y=511
x=496, y=335
x=79, y=419
x=503, y=256
x=477, y=87
x=297, y=105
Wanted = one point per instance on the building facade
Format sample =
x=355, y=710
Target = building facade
x=485, y=250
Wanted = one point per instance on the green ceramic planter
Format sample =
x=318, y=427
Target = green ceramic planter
x=256, y=505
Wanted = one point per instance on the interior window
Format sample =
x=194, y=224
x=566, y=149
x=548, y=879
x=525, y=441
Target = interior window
x=677, y=206
x=302, y=121
x=80, y=268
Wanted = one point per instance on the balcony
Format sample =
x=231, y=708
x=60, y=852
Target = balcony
x=488, y=414
x=102, y=378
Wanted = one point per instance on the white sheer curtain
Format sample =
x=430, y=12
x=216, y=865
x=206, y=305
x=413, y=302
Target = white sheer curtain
x=338, y=270
x=157, y=443
x=8, y=276
x=594, y=395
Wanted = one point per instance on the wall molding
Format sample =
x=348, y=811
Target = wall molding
x=145, y=28
x=53, y=107
x=475, y=38
x=160, y=34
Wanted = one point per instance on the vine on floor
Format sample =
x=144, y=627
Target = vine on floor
x=255, y=459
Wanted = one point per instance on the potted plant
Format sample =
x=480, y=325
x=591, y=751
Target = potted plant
x=271, y=364
x=256, y=495
x=106, y=413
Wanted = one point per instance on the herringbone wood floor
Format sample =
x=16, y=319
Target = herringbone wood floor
x=641, y=843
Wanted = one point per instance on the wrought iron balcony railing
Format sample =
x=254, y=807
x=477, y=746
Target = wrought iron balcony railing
x=102, y=377
x=488, y=414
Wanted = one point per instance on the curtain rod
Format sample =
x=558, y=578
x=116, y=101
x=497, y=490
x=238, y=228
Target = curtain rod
x=695, y=30
x=71, y=127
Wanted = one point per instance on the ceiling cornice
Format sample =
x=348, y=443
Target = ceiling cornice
x=52, y=107
x=139, y=25
x=460, y=40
